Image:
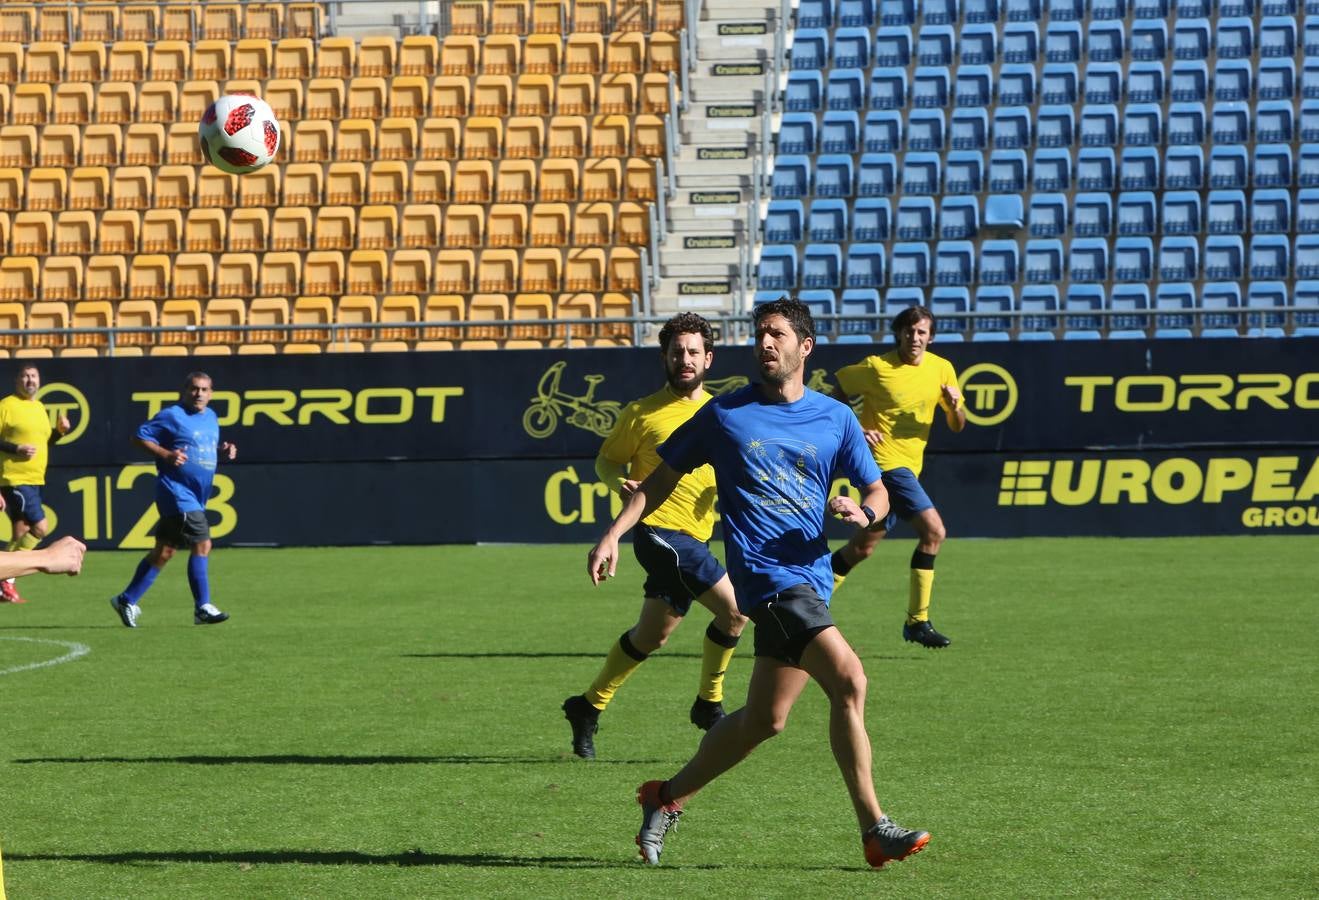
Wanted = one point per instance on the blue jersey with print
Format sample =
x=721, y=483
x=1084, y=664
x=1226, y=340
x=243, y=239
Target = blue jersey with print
x=184, y=488
x=773, y=465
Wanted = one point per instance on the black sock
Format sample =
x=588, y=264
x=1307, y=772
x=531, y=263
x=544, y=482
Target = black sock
x=841, y=566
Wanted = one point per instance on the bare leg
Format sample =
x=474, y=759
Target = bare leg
x=721, y=601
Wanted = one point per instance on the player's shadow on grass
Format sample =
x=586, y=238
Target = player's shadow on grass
x=528, y=655
x=299, y=759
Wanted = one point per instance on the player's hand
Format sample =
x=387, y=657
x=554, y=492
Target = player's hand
x=178, y=457
x=628, y=488
x=874, y=437
x=27, y=451
x=64, y=557
x=62, y=425
x=951, y=394
x=229, y=451
x=847, y=510
x=602, y=561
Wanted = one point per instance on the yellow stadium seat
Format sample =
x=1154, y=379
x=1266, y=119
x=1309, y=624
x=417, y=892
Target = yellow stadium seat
x=325, y=99
x=13, y=318
x=625, y=52
x=285, y=97
x=387, y=182
x=212, y=59
x=128, y=61
x=459, y=55
x=183, y=317
x=131, y=318
x=323, y=272
x=216, y=188
x=469, y=17
x=450, y=95
x=398, y=139
x=19, y=277
x=281, y=272
x=294, y=57
x=223, y=313
x=639, y=180
x=584, y=54
x=487, y=307
x=396, y=308
x=204, y=231
x=593, y=224
x=290, y=229
x=500, y=55
x=420, y=226
x=509, y=17
x=559, y=180
x=618, y=94
x=464, y=225
x=624, y=269
x=542, y=269
x=548, y=17
x=601, y=179
x=549, y=224
x=102, y=145
x=312, y=311
x=18, y=145
x=534, y=95
x=209, y=350
x=567, y=136
x=367, y=271
x=591, y=15
x=575, y=95
x=120, y=231
x=515, y=181
x=162, y=230
x=51, y=317
x=584, y=269
x=174, y=350
x=492, y=95
x=118, y=350
x=194, y=98
x=140, y=22
x=632, y=15
x=55, y=22
x=337, y=346
x=18, y=23
x=236, y=274
x=270, y=313
x=455, y=271
x=61, y=277
x=171, y=61
x=116, y=101
x=410, y=272
x=532, y=306
x=355, y=140
x=47, y=188
x=31, y=234
x=71, y=103
x=4, y=231
x=106, y=277
x=175, y=186
x=366, y=97
x=313, y=141
x=498, y=270
x=655, y=93
x=408, y=96
x=614, y=305
x=440, y=138
x=99, y=22
x=91, y=314
x=302, y=347
x=387, y=347
x=345, y=183
x=419, y=54
x=144, y=144
x=336, y=57
x=220, y=21
x=249, y=229
x=610, y=136
x=542, y=54
x=335, y=229
x=665, y=54
x=252, y=58
x=432, y=346
x=648, y=138
x=132, y=187
x=263, y=20
x=633, y=224
x=473, y=181
x=31, y=104
x=355, y=310
x=13, y=61
x=569, y=307
x=86, y=61
x=303, y=186
x=260, y=188
x=150, y=277
x=194, y=275
x=377, y=55
x=158, y=101
x=181, y=145
x=506, y=225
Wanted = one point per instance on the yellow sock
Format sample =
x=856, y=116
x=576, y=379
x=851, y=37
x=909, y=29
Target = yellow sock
x=838, y=580
x=12, y=545
x=622, y=661
x=28, y=541
x=2, y=878
x=715, y=657
x=918, y=600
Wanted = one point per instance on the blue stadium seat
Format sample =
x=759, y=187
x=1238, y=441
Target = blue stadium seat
x=929, y=87
x=989, y=300
x=1108, y=10
x=834, y=175
x=911, y=265
x=1224, y=257
x=1088, y=259
x=1186, y=124
x=1103, y=83
x=840, y=132
x=981, y=12
x=1307, y=256
x=1021, y=43
x=1277, y=80
x=777, y=269
x=914, y=220
x=897, y=12
x=1273, y=122
x=1265, y=301
x=1278, y=7
x=1139, y=170
x=1051, y=170
x=1181, y=212
x=1232, y=81
x=1142, y=125
x=1277, y=37
x=783, y=222
x=1310, y=38
x=925, y=130
x=1305, y=315
x=954, y=263
x=964, y=173
x=878, y=175
x=1133, y=259
x=921, y=174
x=1066, y=10
x=1007, y=171
x=815, y=14
x=1271, y=212
x=893, y=46
x=1104, y=42
x=1193, y=9
x=1309, y=130
x=860, y=308
x=1179, y=259
x=803, y=91
x=1272, y=166
x=1099, y=125
x=1043, y=262
x=1227, y=167
x=1191, y=39
x=1021, y=10
x=1244, y=8
x=973, y=86
x=823, y=306
x=1234, y=38
x=1270, y=257
x=950, y=306
x=1082, y=308
x=871, y=219
x=979, y=45
x=1128, y=302
x=1188, y=81
x=1000, y=262
x=1059, y=83
x=845, y=90
x=1149, y=38
x=959, y=218
x=882, y=131
x=865, y=266
x=852, y=49
x=898, y=299
x=1145, y=83
x=1220, y=305
x=940, y=12
x=1184, y=169
x=1062, y=41
x=791, y=177
x=827, y=221
x=934, y=46
x=1006, y=213
x=810, y=49
x=1307, y=211
x=1136, y=213
x=1039, y=307
x=1012, y=128
x=1096, y=169
x=797, y=134
x=1054, y=126
x=857, y=13
x=1048, y=215
x=888, y=88
x=822, y=266
x=1226, y=212
x=1016, y=85
x=1174, y=302
x=969, y=129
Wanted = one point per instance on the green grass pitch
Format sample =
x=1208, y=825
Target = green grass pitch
x=1115, y=718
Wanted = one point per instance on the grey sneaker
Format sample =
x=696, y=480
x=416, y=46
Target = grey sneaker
x=206, y=614
x=128, y=612
x=887, y=841
x=657, y=820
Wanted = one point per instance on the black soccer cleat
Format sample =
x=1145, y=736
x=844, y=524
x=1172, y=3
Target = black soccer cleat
x=705, y=713
x=923, y=633
x=584, y=719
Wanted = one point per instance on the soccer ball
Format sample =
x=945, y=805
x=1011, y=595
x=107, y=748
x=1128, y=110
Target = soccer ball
x=239, y=134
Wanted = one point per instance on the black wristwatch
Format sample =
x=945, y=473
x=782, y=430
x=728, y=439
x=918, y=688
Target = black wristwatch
x=870, y=514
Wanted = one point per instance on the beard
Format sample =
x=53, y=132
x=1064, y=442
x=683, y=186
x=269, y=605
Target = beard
x=789, y=363
x=678, y=384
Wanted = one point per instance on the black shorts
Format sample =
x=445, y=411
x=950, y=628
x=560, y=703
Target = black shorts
x=183, y=530
x=679, y=568
x=23, y=502
x=788, y=621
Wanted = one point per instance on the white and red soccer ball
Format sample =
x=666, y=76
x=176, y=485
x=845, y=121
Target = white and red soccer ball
x=239, y=134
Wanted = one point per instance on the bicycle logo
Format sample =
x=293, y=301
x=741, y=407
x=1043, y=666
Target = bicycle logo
x=551, y=404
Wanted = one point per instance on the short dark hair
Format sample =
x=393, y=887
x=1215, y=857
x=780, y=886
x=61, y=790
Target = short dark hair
x=797, y=313
x=909, y=317
x=193, y=376
x=24, y=367
x=686, y=323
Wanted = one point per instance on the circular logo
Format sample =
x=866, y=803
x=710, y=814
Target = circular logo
x=990, y=393
x=62, y=399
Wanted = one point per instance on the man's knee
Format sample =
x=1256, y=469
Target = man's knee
x=730, y=622
x=647, y=639
x=761, y=725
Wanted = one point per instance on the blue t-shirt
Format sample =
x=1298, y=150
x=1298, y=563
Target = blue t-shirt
x=773, y=465
x=184, y=488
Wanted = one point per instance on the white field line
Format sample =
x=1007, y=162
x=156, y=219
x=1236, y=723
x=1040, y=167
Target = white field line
x=75, y=650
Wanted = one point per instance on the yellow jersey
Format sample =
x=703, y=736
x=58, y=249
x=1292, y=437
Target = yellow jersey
x=24, y=421
x=898, y=400
x=634, y=442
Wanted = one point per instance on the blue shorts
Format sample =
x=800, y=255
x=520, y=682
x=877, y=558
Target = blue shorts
x=23, y=501
x=906, y=497
x=679, y=568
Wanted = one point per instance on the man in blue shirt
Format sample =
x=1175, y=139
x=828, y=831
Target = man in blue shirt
x=185, y=440
x=774, y=447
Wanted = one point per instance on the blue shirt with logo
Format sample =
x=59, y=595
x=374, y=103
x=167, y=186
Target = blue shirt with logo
x=185, y=488
x=773, y=465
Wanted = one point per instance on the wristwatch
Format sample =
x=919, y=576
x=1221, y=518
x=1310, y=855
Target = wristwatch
x=870, y=514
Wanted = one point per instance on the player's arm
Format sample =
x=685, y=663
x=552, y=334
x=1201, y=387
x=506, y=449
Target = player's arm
x=62, y=427
x=954, y=409
x=64, y=557
x=602, y=561
x=173, y=457
x=874, y=498
x=613, y=474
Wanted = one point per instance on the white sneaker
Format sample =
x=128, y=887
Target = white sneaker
x=207, y=614
x=128, y=612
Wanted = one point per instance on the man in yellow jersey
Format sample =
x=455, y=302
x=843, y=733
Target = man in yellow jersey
x=25, y=438
x=899, y=391
x=672, y=543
